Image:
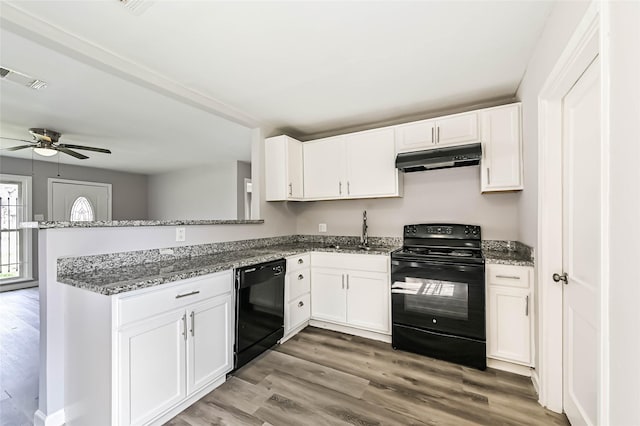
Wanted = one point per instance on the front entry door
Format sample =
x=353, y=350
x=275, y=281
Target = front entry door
x=581, y=246
x=77, y=201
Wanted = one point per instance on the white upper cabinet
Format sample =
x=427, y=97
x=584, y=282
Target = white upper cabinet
x=325, y=168
x=501, y=165
x=357, y=165
x=455, y=129
x=371, y=167
x=283, y=169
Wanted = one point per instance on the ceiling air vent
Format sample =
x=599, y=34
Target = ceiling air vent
x=22, y=79
x=137, y=7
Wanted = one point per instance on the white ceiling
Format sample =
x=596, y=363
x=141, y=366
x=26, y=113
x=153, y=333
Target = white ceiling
x=302, y=67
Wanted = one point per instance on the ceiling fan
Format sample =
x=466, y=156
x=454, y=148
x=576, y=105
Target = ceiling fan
x=46, y=143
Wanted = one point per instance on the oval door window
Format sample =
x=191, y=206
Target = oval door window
x=81, y=210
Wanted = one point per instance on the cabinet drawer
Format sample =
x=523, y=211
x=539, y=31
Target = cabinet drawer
x=153, y=301
x=352, y=262
x=298, y=262
x=507, y=275
x=299, y=283
x=299, y=311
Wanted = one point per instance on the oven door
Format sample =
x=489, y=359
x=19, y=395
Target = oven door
x=439, y=297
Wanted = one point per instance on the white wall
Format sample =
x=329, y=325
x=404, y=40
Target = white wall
x=560, y=26
x=206, y=192
x=624, y=210
x=447, y=195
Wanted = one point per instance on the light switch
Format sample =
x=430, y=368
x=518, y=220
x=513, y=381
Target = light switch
x=322, y=227
x=181, y=234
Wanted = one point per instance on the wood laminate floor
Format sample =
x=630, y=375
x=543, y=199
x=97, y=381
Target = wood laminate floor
x=321, y=378
x=19, y=356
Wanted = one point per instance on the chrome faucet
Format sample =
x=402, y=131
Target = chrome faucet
x=364, y=241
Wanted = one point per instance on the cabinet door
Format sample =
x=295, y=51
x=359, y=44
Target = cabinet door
x=509, y=336
x=324, y=168
x=152, y=367
x=210, y=341
x=415, y=136
x=328, y=295
x=368, y=300
x=295, y=186
x=458, y=129
x=371, y=168
x=502, y=156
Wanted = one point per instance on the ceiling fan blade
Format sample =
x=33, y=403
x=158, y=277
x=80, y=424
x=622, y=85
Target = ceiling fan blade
x=20, y=140
x=88, y=148
x=71, y=153
x=16, y=148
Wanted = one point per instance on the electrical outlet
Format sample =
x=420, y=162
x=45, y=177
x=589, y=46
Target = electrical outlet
x=322, y=227
x=181, y=234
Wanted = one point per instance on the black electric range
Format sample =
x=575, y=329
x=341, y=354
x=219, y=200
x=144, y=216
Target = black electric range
x=438, y=293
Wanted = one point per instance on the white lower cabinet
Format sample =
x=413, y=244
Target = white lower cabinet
x=143, y=356
x=352, y=297
x=509, y=313
x=297, y=294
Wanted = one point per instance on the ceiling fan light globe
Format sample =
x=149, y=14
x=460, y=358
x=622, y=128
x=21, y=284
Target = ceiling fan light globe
x=45, y=152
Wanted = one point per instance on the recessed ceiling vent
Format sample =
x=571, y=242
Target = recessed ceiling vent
x=137, y=7
x=22, y=79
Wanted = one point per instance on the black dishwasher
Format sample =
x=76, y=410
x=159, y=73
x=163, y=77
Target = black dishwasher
x=259, y=309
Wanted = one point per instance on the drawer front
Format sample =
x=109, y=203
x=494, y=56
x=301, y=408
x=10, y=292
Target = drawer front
x=153, y=301
x=507, y=275
x=299, y=311
x=295, y=263
x=352, y=262
x=299, y=283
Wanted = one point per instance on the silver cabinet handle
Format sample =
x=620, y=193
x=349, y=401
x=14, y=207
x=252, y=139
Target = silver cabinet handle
x=290, y=189
x=184, y=326
x=433, y=135
x=193, y=323
x=438, y=134
x=347, y=281
x=343, y=281
x=526, y=306
x=300, y=261
x=300, y=304
x=348, y=188
x=300, y=276
x=187, y=294
x=340, y=188
x=488, y=176
x=509, y=277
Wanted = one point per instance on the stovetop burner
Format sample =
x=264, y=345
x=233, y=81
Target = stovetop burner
x=443, y=242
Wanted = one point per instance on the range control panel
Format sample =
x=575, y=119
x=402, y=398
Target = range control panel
x=440, y=230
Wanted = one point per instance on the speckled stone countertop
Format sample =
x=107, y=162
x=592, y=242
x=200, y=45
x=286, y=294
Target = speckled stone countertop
x=507, y=253
x=129, y=277
x=125, y=223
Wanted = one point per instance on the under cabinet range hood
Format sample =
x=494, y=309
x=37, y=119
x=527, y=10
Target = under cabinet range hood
x=440, y=158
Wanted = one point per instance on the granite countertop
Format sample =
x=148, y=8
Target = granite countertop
x=128, y=223
x=507, y=253
x=111, y=281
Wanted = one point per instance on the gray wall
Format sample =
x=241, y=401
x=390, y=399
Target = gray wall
x=129, y=189
x=207, y=192
x=448, y=195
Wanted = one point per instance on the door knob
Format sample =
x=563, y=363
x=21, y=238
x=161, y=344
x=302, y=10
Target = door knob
x=564, y=278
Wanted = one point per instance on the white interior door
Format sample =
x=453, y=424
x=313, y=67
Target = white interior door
x=88, y=200
x=581, y=246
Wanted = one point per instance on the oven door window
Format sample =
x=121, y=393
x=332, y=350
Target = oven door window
x=439, y=298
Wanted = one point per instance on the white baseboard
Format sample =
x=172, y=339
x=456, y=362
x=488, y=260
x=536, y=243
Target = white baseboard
x=351, y=330
x=522, y=370
x=53, y=419
x=535, y=380
x=293, y=332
